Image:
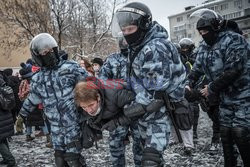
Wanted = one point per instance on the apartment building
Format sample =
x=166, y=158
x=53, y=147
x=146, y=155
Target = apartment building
x=237, y=10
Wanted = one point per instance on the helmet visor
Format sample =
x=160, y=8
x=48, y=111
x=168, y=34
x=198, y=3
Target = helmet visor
x=122, y=20
x=42, y=43
x=203, y=14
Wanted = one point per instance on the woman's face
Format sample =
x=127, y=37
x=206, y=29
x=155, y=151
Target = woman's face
x=82, y=64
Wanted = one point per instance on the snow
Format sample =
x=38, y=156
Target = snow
x=35, y=153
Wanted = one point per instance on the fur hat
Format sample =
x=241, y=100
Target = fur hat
x=98, y=61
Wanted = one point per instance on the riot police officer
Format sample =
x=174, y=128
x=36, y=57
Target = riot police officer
x=53, y=87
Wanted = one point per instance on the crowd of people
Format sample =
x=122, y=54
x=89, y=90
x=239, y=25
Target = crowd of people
x=151, y=91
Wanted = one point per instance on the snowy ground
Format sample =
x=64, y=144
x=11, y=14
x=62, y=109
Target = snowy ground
x=35, y=154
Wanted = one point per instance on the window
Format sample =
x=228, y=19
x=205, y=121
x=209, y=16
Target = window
x=189, y=35
x=232, y=15
x=216, y=8
x=212, y=8
x=224, y=6
x=179, y=19
x=238, y=4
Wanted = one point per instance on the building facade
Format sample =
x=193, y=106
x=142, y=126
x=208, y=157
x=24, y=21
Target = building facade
x=237, y=10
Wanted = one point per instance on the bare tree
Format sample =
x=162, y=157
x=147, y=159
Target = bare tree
x=61, y=12
x=22, y=20
x=99, y=18
x=31, y=16
x=81, y=26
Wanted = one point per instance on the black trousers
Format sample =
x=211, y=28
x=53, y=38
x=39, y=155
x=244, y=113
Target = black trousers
x=6, y=154
x=235, y=136
x=213, y=114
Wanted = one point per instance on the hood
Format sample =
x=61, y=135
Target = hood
x=156, y=31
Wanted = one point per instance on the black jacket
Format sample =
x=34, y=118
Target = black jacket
x=7, y=102
x=113, y=101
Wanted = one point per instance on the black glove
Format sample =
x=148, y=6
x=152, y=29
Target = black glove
x=114, y=123
x=192, y=95
x=154, y=106
x=138, y=109
x=133, y=110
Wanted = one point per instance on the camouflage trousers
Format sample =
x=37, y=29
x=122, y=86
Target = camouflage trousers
x=155, y=131
x=61, y=136
x=117, y=145
x=235, y=115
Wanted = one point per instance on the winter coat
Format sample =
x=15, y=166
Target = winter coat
x=54, y=89
x=155, y=65
x=7, y=102
x=112, y=103
x=35, y=118
x=14, y=82
x=226, y=65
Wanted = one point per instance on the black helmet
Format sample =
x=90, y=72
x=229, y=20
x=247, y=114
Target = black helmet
x=44, y=52
x=134, y=13
x=207, y=19
x=186, y=46
x=145, y=16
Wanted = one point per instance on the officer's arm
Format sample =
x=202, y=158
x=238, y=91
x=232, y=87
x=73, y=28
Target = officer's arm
x=195, y=73
x=30, y=102
x=79, y=72
x=235, y=57
x=124, y=97
x=105, y=71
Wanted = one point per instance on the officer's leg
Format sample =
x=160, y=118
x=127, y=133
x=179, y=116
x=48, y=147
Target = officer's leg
x=196, y=110
x=230, y=159
x=152, y=158
x=138, y=144
x=157, y=138
x=241, y=136
x=213, y=114
x=74, y=160
x=73, y=147
x=117, y=146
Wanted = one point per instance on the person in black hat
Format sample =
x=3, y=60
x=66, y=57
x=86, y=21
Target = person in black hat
x=97, y=63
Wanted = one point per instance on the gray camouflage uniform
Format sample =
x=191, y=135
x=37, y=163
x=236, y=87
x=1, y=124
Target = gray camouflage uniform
x=115, y=67
x=156, y=67
x=54, y=89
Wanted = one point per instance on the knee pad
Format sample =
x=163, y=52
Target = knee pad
x=59, y=153
x=152, y=158
x=241, y=134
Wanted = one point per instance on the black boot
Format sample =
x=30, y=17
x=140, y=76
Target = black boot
x=241, y=136
x=75, y=160
x=230, y=158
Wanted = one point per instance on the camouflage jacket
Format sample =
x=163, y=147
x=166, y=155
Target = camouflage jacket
x=230, y=55
x=156, y=67
x=54, y=89
x=114, y=67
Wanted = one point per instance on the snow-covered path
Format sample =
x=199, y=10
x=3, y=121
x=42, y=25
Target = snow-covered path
x=35, y=154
